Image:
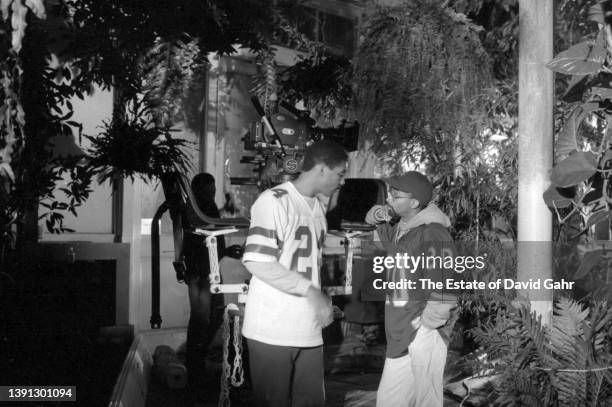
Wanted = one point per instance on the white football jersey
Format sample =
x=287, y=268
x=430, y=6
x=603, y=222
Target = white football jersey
x=284, y=228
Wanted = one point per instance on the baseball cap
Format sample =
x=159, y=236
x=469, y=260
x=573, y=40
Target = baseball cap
x=415, y=183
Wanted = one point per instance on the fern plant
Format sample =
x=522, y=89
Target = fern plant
x=135, y=147
x=418, y=77
x=167, y=72
x=320, y=79
x=568, y=364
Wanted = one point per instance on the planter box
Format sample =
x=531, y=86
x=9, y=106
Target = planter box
x=132, y=384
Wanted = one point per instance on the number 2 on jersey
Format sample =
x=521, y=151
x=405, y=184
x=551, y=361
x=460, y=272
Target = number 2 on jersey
x=302, y=252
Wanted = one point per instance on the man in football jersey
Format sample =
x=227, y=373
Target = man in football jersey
x=286, y=310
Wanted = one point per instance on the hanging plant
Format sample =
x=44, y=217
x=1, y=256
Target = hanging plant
x=168, y=70
x=418, y=77
x=135, y=147
x=265, y=80
x=322, y=81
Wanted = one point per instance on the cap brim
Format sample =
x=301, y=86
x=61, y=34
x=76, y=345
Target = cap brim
x=394, y=183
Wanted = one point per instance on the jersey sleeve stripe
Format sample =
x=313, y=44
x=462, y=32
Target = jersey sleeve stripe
x=262, y=249
x=258, y=230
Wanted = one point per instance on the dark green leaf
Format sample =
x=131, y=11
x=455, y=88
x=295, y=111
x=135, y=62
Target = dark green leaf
x=568, y=192
x=574, y=169
x=596, y=14
x=598, y=217
x=589, y=261
x=581, y=59
x=67, y=115
x=575, y=88
x=566, y=141
x=553, y=198
x=592, y=196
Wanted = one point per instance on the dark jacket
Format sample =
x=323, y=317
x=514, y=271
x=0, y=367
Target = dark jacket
x=425, y=235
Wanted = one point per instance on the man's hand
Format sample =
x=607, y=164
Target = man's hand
x=375, y=215
x=322, y=305
x=380, y=214
x=234, y=251
x=436, y=313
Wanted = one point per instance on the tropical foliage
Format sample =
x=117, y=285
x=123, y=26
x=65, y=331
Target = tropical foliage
x=580, y=194
x=134, y=147
x=131, y=46
x=499, y=37
x=314, y=80
x=322, y=82
x=582, y=140
x=430, y=93
x=568, y=364
x=33, y=90
x=418, y=77
x=481, y=198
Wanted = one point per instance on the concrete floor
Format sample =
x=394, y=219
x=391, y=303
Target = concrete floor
x=352, y=374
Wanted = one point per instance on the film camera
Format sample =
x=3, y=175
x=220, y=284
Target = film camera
x=279, y=140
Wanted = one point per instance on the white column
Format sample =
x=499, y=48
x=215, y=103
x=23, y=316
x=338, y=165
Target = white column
x=536, y=101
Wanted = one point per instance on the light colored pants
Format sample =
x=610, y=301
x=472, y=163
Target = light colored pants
x=415, y=380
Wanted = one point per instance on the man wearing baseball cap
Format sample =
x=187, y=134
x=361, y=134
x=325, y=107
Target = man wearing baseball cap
x=416, y=321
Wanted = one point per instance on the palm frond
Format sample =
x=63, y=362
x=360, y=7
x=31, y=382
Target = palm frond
x=567, y=364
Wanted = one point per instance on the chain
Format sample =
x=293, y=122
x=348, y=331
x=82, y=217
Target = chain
x=234, y=374
x=237, y=372
x=224, y=400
